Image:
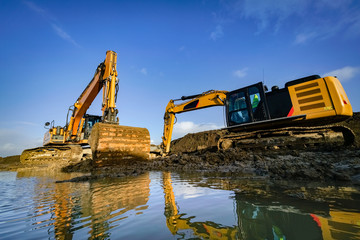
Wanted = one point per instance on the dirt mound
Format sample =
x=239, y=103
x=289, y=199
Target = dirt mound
x=197, y=141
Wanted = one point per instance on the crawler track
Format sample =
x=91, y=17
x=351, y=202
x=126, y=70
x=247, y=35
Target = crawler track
x=289, y=137
x=64, y=154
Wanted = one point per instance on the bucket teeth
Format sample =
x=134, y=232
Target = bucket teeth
x=114, y=144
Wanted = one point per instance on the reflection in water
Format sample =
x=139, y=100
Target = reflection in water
x=278, y=221
x=339, y=225
x=33, y=206
x=256, y=221
x=74, y=206
x=112, y=198
x=177, y=222
x=278, y=217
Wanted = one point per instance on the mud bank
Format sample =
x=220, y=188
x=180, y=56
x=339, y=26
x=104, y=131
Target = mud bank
x=338, y=164
x=335, y=164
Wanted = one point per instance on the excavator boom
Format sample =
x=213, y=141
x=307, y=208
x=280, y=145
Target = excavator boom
x=105, y=78
x=204, y=100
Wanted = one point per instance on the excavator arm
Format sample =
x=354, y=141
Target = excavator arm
x=105, y=78
x=177, y=222
x=204, y=100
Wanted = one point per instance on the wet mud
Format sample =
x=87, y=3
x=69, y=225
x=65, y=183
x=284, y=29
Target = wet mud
x=316, y=165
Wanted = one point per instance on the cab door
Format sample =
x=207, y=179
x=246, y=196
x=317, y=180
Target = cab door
x=246, y=105
x=237, y=108
x=258, y=103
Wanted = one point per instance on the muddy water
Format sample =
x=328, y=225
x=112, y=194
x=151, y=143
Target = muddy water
x=162, y=205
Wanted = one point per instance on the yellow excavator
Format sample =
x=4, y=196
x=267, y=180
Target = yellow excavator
x=302, y=108
x=110, y=143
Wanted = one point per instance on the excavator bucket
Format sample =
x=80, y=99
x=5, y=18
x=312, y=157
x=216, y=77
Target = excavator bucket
x=113, y=144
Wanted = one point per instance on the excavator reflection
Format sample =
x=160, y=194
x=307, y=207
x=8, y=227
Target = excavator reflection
x=265, y=219
x=96, y=206
x=176, y=222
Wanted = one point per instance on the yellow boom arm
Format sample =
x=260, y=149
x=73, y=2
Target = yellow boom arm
x=105, y=78
x=204, y=100
x=178, y=222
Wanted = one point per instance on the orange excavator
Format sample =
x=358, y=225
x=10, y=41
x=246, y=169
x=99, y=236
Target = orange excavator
x=302, y=109
x=110, y=143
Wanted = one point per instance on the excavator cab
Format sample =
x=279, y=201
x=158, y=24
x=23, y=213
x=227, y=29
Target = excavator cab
x=89, y=122
x=246, y=105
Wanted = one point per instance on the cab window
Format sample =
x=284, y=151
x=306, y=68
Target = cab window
x=257, y=106
x=255, y=97
x=238, y=112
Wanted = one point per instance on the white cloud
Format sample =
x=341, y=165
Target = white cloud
x=14, y=141
x=186, y=191
x=38, y=10
x=269, y=13
x=64, y=35
x=26, y=123
x=303, y=37
x=306, y=19
x=143, y=71
x=7, y=147
x=52, y=21
x=345, y=73
x=240, y=73
x=183, y=128
x=217, y=33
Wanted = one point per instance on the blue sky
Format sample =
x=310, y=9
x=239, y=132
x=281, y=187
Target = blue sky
x=166, y=49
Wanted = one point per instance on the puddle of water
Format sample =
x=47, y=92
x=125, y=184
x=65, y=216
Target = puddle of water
x=161, y=205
